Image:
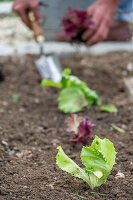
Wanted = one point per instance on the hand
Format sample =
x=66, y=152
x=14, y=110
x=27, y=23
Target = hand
x=21, y=7
x=102, y=13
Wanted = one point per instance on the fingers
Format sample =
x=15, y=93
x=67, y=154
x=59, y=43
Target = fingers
x=21, y=7
x=100, y=34
x=20, y=10
x=97, y=18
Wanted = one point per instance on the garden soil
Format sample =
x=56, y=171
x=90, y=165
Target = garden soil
x=31, y=127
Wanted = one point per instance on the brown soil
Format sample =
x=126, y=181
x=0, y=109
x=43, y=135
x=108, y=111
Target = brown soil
x=31, y=128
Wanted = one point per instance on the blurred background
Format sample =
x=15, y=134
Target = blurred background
x=16, y=37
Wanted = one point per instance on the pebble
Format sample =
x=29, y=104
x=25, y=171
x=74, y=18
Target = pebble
x=51, y=187
x=130, y=67
x=36, y=101
x=4, y=143
x=119, y=175
x=11, y=153
x=22, y=110
x=4, y=103
x=10, y=193
x=25, y=187
x=40, y=129
x=24, y=153
x=123, y=126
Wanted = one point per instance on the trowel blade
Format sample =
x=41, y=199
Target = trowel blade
x=49, y=68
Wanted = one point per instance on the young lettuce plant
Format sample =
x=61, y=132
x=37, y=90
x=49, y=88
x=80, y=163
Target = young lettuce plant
x=75, y=23
x=80, y=127
x=74, y=95
x=98, y=160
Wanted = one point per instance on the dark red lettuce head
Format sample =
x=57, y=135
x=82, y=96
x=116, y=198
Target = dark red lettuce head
x=75, y=23
x=81, y=127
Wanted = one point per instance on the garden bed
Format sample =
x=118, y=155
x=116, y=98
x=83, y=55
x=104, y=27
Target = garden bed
x=32, y=127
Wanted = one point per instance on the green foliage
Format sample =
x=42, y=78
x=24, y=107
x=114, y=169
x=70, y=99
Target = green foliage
x=98, y=160
x=109, y=108
x=117, y=129
x=75, y=94
x=50, y=83
x=71, y=99
x=15, y=97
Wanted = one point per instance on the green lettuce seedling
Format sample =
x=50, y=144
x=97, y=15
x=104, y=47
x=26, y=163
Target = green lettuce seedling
x=74, y=95
x=98, y=160
x=109, y=108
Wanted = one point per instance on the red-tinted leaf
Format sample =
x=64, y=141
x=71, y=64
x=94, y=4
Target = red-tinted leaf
x=81, y=127
x=73, y=123
x=84, y=131
x=75, y=23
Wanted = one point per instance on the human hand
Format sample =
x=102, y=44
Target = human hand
x=21, y=7
x=102, y=13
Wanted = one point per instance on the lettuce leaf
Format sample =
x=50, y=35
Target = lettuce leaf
x=68, y=165
x=50, y=83
x=80, y=127
x=109, y=108
x=75, y=94
x=71, y=99
x=98, y=160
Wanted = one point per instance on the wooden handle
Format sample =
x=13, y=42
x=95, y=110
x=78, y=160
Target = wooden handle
x=37, y=30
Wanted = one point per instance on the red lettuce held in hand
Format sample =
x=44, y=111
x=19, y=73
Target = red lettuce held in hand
x=81, y=127
x=75, y=23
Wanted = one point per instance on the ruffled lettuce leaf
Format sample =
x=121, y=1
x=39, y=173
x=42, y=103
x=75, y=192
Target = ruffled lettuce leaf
x=68, y=165
x=80, y=127
x=75, y=22
x=98, y=160
x=73, y=122
x=71, y=99
x=75, y=94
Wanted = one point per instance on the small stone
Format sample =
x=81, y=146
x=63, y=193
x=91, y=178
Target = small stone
x=5, y=103
x=51, y=187
x=130, y=67
x=129, y=85
x=10, y=193
x=131, y=163
x=36, y=101
x=4, y=143
x=26, y=124
x=11, y=153
x=119, y=175
x=123, y=126
x=19, y=155
x=40, y=129
x=25, y=187
x=22, y=110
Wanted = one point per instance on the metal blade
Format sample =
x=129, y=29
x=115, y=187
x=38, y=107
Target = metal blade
x=49, y=68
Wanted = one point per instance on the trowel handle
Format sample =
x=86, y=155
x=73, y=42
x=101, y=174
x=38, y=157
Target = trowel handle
x=37, y=30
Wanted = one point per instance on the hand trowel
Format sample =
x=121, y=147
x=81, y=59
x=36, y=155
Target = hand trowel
x=48, y=66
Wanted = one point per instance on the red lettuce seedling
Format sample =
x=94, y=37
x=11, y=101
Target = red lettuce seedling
x=75, y=23
x=81, y=127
